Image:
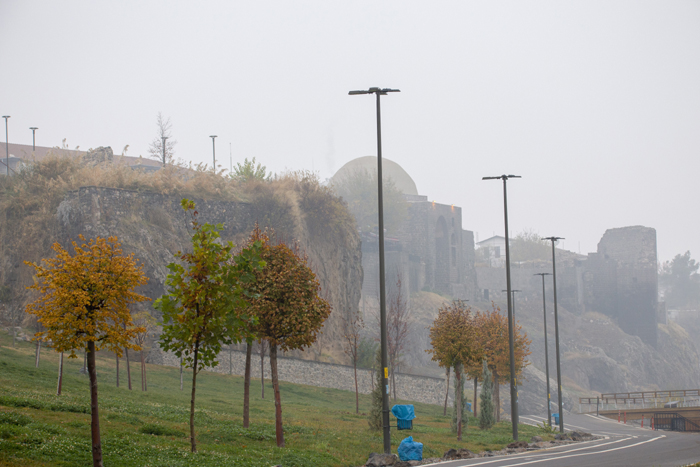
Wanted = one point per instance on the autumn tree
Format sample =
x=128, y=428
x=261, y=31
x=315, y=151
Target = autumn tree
x=398, y=323
x=352, y=336
x=84, y=304
x=454, y=341
x=287, y=304
x=202, y=308
x=493, y=335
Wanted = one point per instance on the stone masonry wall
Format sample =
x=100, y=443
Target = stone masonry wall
x=326, y=375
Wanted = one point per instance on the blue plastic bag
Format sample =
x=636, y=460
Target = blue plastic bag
x=410, y=450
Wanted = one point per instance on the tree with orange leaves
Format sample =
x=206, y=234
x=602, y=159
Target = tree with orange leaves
x=284, y=296
x=493, y=334
x=455, y=343
x=84, y=303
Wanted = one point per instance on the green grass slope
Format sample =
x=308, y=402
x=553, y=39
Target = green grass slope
x=38, y=428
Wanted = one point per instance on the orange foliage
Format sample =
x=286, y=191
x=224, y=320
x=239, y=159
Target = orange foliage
x=85, y=297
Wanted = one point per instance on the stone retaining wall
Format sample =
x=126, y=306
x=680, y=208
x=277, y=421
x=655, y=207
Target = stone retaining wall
x=414, y=388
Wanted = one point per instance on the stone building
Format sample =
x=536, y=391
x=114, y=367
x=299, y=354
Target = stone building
x=431, y=250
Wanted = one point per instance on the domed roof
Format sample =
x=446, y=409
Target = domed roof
x=390, y=169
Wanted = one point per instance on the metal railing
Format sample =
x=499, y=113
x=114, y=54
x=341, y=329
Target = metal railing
x=675, y=422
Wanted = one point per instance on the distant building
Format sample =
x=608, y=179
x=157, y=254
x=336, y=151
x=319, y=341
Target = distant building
x=494, y=250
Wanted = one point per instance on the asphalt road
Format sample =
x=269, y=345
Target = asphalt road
x=622, y=445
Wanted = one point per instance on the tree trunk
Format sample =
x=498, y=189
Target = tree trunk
x=475, y=397
x=278, y=401
x=447, y=391
x=38, y=353
x=230, y=359
x=95, y=417
x=180, y=373
x=393, y=380
x=497, y=393
x=117, y=357
x=246, y=385
x=262, y=369
x=458, y=398
x=194, y=388
x=357, y=391
x=60, y=374
x=128, y=368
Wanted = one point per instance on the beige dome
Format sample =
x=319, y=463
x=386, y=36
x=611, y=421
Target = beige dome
x=390, y=169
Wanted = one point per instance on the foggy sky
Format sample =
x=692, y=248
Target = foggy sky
x=595, y=104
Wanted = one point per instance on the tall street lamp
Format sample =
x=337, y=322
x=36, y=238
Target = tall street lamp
x=556, y=331
x=513, y=292
x=213, y=149
x=7, y=147
x=511, y=334
x=546, y=352
x=382, y=291
x=163, y=138
x=33, y=128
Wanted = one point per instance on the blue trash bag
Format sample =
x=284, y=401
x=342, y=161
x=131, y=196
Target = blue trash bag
x=556, y=418
x=404, y=415
x=410, y=450
x=469, y=406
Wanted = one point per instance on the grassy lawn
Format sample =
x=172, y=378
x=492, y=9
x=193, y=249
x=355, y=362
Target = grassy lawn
x=38, y=428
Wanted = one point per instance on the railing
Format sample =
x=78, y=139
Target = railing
x=675, y=422
x=643, y=399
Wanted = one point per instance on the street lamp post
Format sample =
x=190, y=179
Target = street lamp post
x=33, y=128
x=556, y=331
x=513, y=292
x=546, y=352
x=163, y=138
x=7, y=147
x=511, y=332
x=213, y=149
x=382, y=291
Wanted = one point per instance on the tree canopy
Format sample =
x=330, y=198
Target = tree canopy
x=248, y=170
x=681, y=281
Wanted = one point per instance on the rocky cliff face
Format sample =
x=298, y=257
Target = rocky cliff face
x=154, y=227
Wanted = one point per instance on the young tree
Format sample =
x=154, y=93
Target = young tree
x=84, y=303
x=493, y=335
x=147, y=323
x=486, y=419
x=454, y=341
x=375, y=418
x=202, y=309
x=353, y=335
x=459, y=409
x=397, y=328
x=248, y=170
x=155, y=150
x=288, y=306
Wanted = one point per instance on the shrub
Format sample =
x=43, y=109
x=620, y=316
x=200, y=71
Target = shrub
x=160, y=430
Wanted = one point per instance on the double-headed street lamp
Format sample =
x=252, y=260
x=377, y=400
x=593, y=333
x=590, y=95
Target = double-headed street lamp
x=7, y=147
x=382, y=292
x=213, y=149
x=546, y=352
x=556, y=331
x=511, y=332
x=33, y=128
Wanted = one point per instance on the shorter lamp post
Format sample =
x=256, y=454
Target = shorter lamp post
x=213, y=150
x=33, y=128
x=513, y=292
x=556, y=330
x=7, y=147
x=546, y=352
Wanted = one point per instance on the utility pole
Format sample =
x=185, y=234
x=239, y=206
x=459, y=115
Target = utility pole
x=511, y=331
x=556, y=331
x=546, y=352
x=513, y=292
x=382, y=289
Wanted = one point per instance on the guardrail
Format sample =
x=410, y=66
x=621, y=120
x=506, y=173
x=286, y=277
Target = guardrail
x=643, y=399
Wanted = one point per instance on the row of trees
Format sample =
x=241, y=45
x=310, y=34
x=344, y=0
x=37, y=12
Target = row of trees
x=465, y=341
x=215, y=296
